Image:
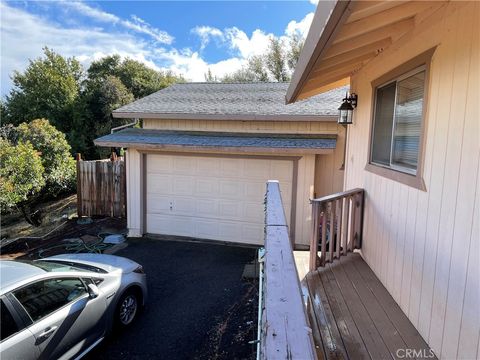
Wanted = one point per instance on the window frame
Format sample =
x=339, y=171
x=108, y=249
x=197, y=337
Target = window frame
x=25, y=312
x=401, y=174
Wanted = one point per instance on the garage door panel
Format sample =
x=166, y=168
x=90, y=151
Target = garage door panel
x=255, y=189
x=281, y=171
x=208, y=167
x=159, y=164
x=207, y=229
x=184, y=165
x=254, y=212
x=207, y=187
x=229, y=209
x=159, y=184
x=253, y=232
x=182, y=185
x=232, y=168
x=207, y=207
x=175, y=225
x=258, y=169
x=158, y=203
x=212, y=198
x=230, y=189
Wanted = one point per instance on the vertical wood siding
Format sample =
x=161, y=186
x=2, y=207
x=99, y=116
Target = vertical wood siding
x=424, y=245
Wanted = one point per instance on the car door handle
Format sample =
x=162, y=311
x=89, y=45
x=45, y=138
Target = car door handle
x=45, y=334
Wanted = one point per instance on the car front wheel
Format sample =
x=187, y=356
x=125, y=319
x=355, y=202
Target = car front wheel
x=127, y=308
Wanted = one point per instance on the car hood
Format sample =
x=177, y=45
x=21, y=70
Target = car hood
x=109, y=263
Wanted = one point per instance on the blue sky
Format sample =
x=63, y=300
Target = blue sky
x=188, y=37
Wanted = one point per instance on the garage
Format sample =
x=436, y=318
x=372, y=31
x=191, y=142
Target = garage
x=212, y=197
x=198, y=157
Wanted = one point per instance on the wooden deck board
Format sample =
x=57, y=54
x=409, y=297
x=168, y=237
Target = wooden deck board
x=332, y=341
x=352, y=340
x=354, y=317
x=405, y=328
x=386, y=329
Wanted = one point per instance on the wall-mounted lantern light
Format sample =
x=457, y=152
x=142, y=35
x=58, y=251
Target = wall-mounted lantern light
x=345, y=111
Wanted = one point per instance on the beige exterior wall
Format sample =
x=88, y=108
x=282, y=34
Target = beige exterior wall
x=328, y=173
x=424, y=245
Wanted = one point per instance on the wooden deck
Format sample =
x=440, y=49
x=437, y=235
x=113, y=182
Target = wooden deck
x=353, y=316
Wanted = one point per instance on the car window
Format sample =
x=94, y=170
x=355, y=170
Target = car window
x=46, y=296
x=7, y=322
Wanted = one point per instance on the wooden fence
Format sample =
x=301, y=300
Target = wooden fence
x=101, y=188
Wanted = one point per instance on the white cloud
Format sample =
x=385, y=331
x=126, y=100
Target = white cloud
x=206, y=33
x=24, y=34
x=136, y=24
x=314, y=2
x=247, y=46
x=92, y=12
x=301, y=27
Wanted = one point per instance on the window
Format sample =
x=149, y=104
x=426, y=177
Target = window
x=398, y=121
x=46, y=296
x=7, y=323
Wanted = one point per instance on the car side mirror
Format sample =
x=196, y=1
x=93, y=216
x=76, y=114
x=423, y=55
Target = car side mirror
x=93, y=291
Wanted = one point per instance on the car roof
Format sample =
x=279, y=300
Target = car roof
x=12, y=272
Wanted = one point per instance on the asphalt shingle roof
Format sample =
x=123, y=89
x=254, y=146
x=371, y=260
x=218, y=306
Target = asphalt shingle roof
x=238, y=100
x=134, y=136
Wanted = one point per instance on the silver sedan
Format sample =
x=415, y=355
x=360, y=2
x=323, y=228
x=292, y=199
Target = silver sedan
x=63, y=306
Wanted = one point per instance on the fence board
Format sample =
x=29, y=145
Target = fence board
x=101, y=188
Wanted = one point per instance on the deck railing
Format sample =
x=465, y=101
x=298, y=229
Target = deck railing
x=284, y=332
x=337, y=226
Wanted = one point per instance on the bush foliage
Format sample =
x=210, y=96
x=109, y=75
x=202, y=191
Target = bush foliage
x=36, y=164
x=21, y=174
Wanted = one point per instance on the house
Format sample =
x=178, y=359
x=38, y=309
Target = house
x=413, y=148
x=198, y=165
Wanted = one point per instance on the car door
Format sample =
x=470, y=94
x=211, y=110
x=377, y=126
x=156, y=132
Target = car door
x=16, y=341
x=66, y=321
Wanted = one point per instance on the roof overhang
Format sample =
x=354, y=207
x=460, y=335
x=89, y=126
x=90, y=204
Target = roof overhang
x=346, y=35
x=209, y=142
x=240, y=117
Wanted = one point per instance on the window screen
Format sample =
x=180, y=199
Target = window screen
x=46, y=296
x=398, y=122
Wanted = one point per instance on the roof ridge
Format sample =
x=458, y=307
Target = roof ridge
x=230, y=83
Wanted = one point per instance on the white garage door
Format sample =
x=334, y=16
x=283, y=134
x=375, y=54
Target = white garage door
x=212, y=197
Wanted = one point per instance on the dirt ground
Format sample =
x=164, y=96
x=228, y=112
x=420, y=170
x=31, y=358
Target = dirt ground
x=53, y=213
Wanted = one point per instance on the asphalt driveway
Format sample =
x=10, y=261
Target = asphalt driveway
x=198, y=308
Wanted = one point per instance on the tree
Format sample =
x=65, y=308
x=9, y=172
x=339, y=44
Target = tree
x=254, y=71
x=277, y=64
x=209, y=77
x=93, y=117
x=21, y=174
x=275, y=60
x=48, y=88
x=138, y=78
x=54, y=151
x=296, y=45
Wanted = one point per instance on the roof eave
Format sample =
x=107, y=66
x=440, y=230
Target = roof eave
x=213, y=149
x=241, y=117
x=329, y=16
